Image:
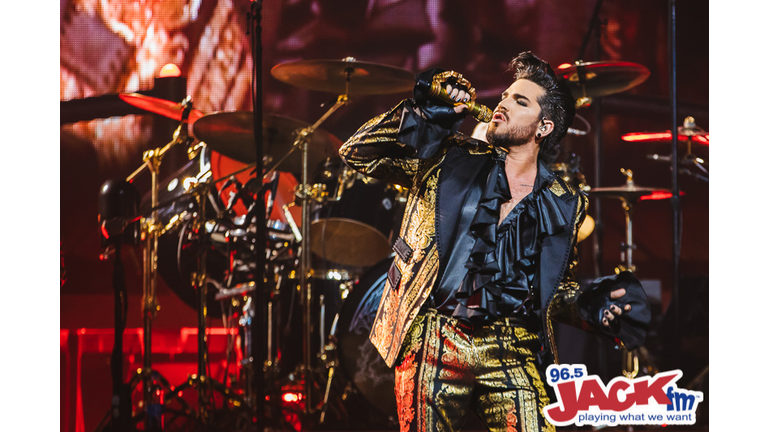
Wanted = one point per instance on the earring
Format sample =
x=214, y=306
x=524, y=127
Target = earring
x=538, y=135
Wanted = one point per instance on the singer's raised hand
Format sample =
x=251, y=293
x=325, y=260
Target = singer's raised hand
x=459, y=95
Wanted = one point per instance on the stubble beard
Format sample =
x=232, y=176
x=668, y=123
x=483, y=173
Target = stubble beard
x=516, y=136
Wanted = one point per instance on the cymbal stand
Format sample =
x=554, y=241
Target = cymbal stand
x=629, y=360
x=200, y=283
x=149, y=230
x=304, y=195
x=689, y=130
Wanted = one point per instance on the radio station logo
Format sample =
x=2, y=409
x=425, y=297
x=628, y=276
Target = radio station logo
x=650, y=400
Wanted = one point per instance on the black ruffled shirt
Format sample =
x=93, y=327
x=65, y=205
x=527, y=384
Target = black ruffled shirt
x=497, y=279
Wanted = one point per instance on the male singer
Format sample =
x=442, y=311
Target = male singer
x=485, y=258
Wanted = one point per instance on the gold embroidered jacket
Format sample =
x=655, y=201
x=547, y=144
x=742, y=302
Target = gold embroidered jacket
x=441, y=170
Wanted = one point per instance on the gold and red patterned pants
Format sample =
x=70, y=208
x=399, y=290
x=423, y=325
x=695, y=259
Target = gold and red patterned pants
x=447, y=367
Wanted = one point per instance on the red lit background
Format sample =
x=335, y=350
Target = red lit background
x=110, y=47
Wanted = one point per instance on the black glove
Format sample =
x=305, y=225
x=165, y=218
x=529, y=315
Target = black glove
x=631, y=327
x=435, y=110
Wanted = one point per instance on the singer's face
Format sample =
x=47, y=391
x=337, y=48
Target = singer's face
x=516, y=116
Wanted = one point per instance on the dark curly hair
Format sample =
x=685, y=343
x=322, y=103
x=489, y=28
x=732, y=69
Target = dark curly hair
x=557, y=104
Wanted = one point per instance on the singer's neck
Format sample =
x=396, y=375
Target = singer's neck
x=522, y=159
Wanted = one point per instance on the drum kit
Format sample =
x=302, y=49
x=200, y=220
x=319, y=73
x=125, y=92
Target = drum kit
x=329, y=233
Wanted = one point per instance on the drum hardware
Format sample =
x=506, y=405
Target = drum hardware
x=354, y=220
x=231, y=134
x=169, y=109
x=271, y=364
x=156, y=391
x=205, y=385
x=149, y=236
x=346, y=77
x=629, y=194
x=303, y=138
x=193, y=220
x=151, y=229
x=693, y=165
x=118, y=203
x=295, y=230
x=328, y=355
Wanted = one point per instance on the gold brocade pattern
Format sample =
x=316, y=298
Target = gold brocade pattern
x=528, y=410
x=399, y=305
x=419, y=229
x=404, y=387
x=381, y=334
x=375, y=152
x=512, y=418
x=557, y=188
x=428, y=373
x=363, y=150
x=449, y=363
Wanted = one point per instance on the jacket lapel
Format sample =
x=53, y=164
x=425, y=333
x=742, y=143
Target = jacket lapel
x=457, y=199
x=556, y=249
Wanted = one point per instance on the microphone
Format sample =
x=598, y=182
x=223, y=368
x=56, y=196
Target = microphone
x=479, y=111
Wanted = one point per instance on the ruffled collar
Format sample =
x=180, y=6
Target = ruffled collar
x=488, y=281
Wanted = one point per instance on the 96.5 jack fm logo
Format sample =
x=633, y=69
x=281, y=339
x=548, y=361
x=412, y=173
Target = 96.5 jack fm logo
x=584, y=399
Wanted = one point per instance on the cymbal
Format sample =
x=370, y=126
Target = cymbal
x=630, y=192
x=347, y=76
x=165, y=108
x=665, y=137
x=595, y=79
x=231, y=134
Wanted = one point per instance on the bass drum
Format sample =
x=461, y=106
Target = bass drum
x=360, y=363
